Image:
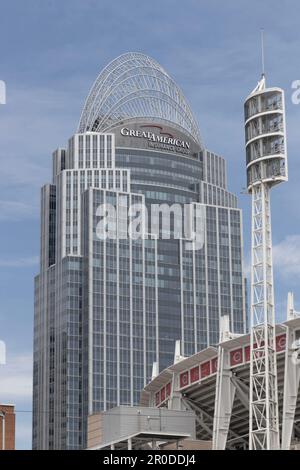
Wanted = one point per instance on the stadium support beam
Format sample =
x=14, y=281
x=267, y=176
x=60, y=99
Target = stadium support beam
x=291, y=377
x=242, y=390
x=291, y=313
x=225, y=392
x=203, y=419
x=175, y=401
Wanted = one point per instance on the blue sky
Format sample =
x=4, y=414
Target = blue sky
x=51, y=52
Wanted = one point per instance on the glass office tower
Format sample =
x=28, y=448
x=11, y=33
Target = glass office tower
x=107, y=308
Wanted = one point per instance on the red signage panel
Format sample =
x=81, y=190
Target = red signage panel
x=184, y=379
x=280, y=342
x=214, y=365
x=236, y=357
x=194, y=374
x=205, y=369
x=247, y=353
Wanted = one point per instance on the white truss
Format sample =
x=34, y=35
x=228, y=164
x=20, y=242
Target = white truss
x=135, y=86
x=266, y=167
x=264, y=425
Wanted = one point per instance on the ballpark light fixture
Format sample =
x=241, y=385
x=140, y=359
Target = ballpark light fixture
x=266, y=165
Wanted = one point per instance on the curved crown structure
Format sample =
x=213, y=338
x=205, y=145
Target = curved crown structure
x=265, y=136
x=131, y=87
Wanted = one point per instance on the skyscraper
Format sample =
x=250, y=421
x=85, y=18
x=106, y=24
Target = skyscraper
x=107, y=308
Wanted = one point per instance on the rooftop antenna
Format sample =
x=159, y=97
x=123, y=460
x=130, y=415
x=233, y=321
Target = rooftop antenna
x=262, y=53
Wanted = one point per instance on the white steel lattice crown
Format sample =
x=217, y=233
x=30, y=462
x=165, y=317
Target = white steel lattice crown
x=135, y=86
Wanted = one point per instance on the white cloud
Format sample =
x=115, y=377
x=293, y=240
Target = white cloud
x=16, y=379
x=19, y=262
x=15, y=210
x=286, y=256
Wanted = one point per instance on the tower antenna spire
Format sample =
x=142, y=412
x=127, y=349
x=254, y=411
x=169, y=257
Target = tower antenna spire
x=262, y=52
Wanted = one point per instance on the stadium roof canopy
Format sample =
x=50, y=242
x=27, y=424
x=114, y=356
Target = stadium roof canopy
x=193, y=381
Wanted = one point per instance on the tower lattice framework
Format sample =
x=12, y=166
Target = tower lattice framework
x=266, y=167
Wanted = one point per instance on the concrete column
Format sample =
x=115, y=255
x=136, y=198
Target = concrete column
x=129, y=442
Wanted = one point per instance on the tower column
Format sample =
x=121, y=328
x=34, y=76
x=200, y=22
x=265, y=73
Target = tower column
x=264, y=428
x=266, y=164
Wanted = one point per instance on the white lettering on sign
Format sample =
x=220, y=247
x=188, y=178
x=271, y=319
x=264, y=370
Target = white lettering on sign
x=152, y=137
